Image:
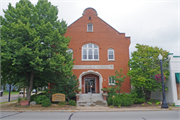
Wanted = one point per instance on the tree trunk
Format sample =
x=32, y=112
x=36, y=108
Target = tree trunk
x=148, y=95
x=29, y=88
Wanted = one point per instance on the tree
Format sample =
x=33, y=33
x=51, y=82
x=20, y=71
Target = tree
x=34, y=45
x=68, y=89
x=144, y=66
x=119, y=79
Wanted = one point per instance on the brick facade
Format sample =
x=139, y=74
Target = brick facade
x=105, y=37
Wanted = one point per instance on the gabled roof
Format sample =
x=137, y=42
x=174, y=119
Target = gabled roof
x=97, y=16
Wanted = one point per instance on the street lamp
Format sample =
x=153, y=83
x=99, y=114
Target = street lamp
x=164, y=103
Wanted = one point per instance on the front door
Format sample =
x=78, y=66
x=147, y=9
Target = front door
x=90, y=85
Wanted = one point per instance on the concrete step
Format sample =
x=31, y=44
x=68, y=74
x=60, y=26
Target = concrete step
x=91, y=100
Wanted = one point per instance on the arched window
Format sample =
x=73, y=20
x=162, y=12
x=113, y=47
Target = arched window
x=70, y=51
x=90, y=27
x=110, y=54
x=90, y=52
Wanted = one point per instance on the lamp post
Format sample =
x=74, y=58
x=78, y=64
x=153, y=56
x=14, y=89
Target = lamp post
x=164, y=103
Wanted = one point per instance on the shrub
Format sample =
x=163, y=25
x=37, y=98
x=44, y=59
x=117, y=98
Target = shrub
x=157, y=103
x=139, y=100
x=150, y=103
x=33, y=97
x=137, y=95
x=46, y=102
x=62, y=103
x=19, y=99
x=109, y=100
x=122, y=100
x=72, y=103
x=39, y=99
x=153, y=101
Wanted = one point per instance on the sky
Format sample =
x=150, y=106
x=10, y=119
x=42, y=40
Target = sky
x=147, y=22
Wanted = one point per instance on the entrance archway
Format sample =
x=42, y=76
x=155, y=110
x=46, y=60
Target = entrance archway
x=91, y=76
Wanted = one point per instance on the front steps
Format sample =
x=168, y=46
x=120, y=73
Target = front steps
x=91, y=100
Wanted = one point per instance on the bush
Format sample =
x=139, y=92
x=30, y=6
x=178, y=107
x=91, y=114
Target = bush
x=122, y=100
x=110, y=100
x=46, y=102
x=39, y=99
x=33, y=97
x=153, y=101
x=137, y=95
x=72, y=103
x=139, y=100
x=62, y=103
x=19, y=99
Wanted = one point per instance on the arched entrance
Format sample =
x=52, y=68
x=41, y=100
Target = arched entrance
x=90, y=81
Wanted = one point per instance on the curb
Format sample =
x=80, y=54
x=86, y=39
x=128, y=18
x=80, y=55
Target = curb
x=95, y=110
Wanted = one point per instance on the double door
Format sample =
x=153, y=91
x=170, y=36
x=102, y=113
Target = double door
x=90, y=85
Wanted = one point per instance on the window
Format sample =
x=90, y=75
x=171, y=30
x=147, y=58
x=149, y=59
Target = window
x=70, y=51
x=90, y=52
x=111, y=81
x=90, y=27
x=110, y=54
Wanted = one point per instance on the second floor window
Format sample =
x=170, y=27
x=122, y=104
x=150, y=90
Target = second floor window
x=110, y=54
x=90, y=27
x=90, y=52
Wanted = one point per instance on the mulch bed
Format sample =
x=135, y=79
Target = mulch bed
x=17, y=106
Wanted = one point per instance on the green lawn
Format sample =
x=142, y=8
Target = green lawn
x=12, y=93
x=8, y=102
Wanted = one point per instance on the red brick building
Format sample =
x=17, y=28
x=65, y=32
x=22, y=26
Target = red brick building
x=99, y=50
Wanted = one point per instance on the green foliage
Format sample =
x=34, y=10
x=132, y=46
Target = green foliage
x=62, y=103
x=150, y=103
x=110, y=100
x=68, y=88
x=19, y=99
x=46, y=102
x=34, y=97
x=39, y=99
x=137, y=95
x=153, y=101
x=174, y=104
x=119, y=79
x=33, y=45
x=144, y=64
x=72, y=103
x=157, y=103
x=122, y=100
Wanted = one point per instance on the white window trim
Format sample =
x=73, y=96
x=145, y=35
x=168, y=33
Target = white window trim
x=113, y=55
x=111, y=83
x=87, y=53
x=87, y=27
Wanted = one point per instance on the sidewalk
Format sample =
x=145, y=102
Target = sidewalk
x=86, y=109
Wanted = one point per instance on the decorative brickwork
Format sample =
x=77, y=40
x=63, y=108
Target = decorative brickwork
x=105, y=37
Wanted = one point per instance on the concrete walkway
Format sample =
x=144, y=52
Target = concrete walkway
x=94, y=109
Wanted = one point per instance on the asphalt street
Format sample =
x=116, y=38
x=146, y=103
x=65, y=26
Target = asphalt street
x=139, y=115
x=4, y=98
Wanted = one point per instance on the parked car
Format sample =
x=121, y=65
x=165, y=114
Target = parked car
x=21, y=92
x=34, y=91
x=1, y=93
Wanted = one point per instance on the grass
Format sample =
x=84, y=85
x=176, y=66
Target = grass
x=8, y=102
x=12, y=93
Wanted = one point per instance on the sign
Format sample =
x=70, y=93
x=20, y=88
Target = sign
x=58, y=97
